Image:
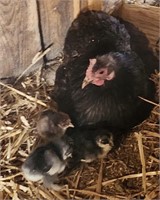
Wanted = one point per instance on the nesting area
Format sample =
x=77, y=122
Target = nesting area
x=130, y=172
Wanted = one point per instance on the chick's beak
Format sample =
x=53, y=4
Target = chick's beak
x=64, y=127
x=70, y=125
x=85, y=82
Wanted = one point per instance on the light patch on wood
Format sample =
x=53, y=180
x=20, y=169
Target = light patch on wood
x=76, y=8
x=145, y=18
x=32, y=15
x=94, y=4
x=56, y=17
x=19, y=33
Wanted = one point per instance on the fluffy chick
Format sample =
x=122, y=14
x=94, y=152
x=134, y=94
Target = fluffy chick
x=53, y=124
x=47, y=162
x=88, y=145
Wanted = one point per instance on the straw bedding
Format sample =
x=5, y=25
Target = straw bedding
x=130, y=172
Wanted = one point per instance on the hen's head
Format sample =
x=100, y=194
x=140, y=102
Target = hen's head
x=102, y=68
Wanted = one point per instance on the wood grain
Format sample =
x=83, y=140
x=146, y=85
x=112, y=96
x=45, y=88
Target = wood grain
x=94, y=4
x=56, y=16
x=83, y=4
x=76, y=8
x=145, y=19
x=19, y=36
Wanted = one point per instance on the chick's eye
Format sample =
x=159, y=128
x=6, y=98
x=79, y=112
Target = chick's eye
x=33, y=171
x=104, y=141
x=101, y=72
x=46, y=168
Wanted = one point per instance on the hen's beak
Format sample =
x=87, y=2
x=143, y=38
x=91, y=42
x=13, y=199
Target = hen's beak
x=85, y=82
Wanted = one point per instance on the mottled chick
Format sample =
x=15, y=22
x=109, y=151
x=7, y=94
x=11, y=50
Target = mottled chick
x=46, y=162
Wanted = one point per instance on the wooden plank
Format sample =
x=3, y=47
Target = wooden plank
x=55, y=16
x=94, y=4
x=19, y=36
x=110, y=6
x=83, y=4
x=146, y=19
x=76, y=8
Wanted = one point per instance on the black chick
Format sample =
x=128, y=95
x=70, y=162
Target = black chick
x=53, y=124
x=89, y=144
x=103, y=80
x=47, y=162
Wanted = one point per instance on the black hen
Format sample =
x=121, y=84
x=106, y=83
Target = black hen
x=101, y=78
x=93, y=33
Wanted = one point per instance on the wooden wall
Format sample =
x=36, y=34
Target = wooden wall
x=19, y=35
x=28, y=26
x=146, y=20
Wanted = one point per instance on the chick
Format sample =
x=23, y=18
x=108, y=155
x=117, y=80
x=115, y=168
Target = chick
x=47, y=162
x=98, y=148
x=88, y=145
x=53, y=124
